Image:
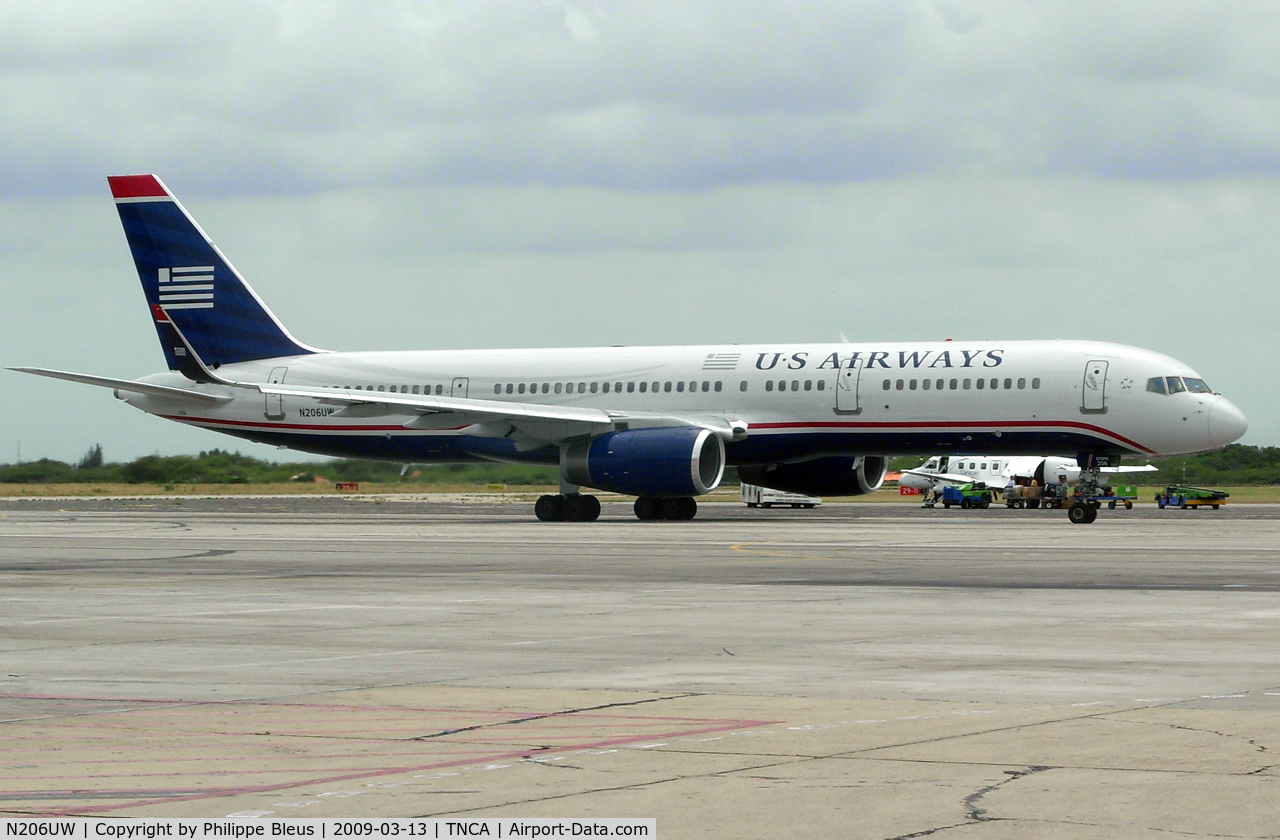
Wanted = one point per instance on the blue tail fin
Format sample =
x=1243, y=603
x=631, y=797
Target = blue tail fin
x=185, y=275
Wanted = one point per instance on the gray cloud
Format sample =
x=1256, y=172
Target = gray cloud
x=460, y=174
x=247, y=97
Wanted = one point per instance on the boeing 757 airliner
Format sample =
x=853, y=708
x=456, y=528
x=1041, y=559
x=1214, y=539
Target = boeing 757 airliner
x=658, y=423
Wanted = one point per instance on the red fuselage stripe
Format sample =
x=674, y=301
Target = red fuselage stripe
x=954, y=424
x=850, y=425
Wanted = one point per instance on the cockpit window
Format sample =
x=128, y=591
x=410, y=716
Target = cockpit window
x=1175, y=384
x=1156, y=385
x=1197, y=386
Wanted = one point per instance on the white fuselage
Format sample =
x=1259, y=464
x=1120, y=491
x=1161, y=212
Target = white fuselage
x=795, y=401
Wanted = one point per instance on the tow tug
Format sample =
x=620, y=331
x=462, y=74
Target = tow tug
x=975, y=494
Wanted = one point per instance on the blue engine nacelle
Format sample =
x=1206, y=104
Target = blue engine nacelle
x=664, y=462
x=835, y=476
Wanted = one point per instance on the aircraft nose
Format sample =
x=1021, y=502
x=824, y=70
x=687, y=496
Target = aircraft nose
x=1227, y=423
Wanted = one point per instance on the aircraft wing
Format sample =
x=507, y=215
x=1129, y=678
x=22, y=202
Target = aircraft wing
x=947, y=478
x=1143, y=468
x=129, y=385
x=537, y=422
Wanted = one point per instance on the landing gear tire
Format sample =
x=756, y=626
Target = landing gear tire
x=581, y=508
x=648, y=509
x=965, y=504
x=679, y=508
x=549, y=508
x=1081, y=514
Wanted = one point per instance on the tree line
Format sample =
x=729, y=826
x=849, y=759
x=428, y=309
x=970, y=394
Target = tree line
x=1237, y=465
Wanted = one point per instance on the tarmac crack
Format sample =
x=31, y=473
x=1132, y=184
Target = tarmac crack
x=975, y=813
x=548, y=715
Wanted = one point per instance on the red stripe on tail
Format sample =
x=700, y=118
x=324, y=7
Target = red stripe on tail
x=136, y=186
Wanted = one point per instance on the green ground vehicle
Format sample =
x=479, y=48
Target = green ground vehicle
x=971, y=495
x=1190, y=497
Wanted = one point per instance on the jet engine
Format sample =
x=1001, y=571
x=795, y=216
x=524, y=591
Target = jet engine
x=662, y=462
x=836, y=476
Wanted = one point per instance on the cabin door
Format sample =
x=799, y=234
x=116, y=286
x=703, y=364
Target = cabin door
x=459, y=388
x=275, y=402
x=848, y=380
x=1094, y=388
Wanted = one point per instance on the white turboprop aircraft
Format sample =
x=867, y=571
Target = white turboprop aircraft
x=659, y=423
x=996, y=471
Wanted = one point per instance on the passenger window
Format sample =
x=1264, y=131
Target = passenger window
x=706, y=386
x=382, y=387
x=822, y=385
x=1035, y=383
x=995, y=384
x=967, y=383
x=981, y=383
x=995, y=465
x=617, y=387
x=1008, y=383
x=768, y=384
x=439, y=390
x=693, y=386
x=594, y=387
x=1175, y=385
x=680, y=387
x=415, y=389
x=913, y=384
x=582, y=387
x=742, y=386
x=510, y=389
x=984, y=465
x=1022, y=383
x=808, y=384
x=887, y=385
x=953, y=384
x=546, y=387
x=666, y=387
x=520, y=390
x=558, y=388
x=358, y=388
x=719, y=386
x=795, y=384
x=606, y=387
x=899, y=384
x=926, y=384
x=631, y=387
x=497, y=389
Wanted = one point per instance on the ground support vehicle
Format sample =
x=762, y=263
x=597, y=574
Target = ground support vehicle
x=1023, y=496
x=755, y=496
x=972, y=495
x=1125, y=495
x=1190, y=497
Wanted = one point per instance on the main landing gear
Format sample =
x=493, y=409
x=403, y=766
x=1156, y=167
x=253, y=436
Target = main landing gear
x=578, y=507
x=648, y=508
x=575, y=507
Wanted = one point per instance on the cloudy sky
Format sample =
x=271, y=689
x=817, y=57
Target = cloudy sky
x=408, y=175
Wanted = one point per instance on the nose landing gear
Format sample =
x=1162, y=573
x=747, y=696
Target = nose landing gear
x=1084, y=509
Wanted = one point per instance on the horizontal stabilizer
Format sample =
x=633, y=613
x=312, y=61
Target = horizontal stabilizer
x=129, y=385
